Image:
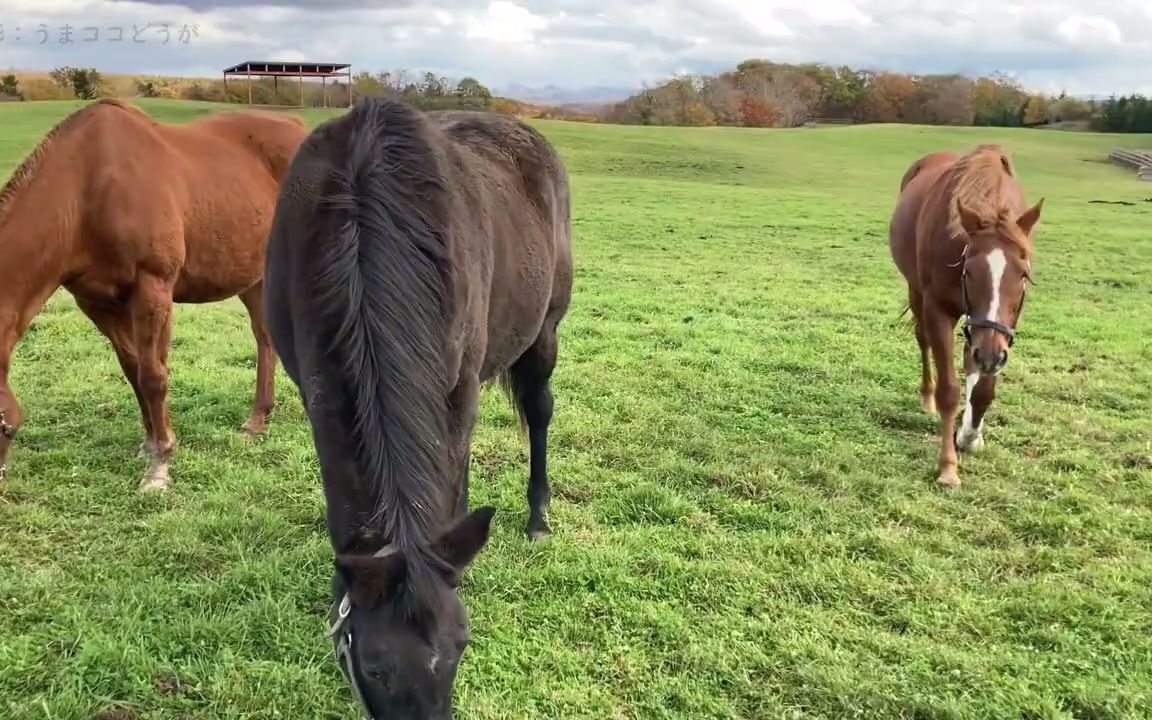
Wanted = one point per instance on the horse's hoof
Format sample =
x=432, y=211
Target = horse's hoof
x=536, y=534
x=972, y=442
x=154, y=483
x=156, y=480
x=928, y=405
x=253, y=430
x=949, y=479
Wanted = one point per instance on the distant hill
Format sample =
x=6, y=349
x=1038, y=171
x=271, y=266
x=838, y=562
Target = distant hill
x=585, y=97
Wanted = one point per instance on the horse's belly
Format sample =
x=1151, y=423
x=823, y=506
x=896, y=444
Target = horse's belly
x=222, y=260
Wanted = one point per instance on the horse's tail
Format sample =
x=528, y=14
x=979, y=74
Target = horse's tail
x=911, y=323
x=385, y=278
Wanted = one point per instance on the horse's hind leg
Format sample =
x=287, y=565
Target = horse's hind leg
x=530, y=381
x=264, y=399
x=927, y=387
x=151, y=310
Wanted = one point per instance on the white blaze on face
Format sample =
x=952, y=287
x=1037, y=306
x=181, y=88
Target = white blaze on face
x=996, y=264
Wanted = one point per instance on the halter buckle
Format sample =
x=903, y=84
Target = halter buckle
x=342, y=640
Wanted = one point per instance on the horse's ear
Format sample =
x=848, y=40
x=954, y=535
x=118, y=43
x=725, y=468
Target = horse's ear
x=970, y=220
x=463, y=540
x=369, y=578
x=1030, y=217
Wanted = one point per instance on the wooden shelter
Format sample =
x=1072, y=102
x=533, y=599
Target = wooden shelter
x=276, y=69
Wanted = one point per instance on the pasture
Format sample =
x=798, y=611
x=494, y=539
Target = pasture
x=747, y=523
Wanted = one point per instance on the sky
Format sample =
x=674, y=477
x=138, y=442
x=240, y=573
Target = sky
x=1079, y=46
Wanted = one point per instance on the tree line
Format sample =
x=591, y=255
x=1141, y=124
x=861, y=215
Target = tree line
x=757, y=93
x=760, y=93
x=425, y=90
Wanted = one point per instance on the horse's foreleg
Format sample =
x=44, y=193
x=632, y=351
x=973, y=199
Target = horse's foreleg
x=980, y=391
x=531, y=382
x=463, y=404
x=115, y=323
x=265, y=398
x=151, y=311
x=939, y=327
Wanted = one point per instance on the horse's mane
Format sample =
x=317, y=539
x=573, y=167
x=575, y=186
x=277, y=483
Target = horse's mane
x=23, y=175
x=384, y=281
x=984, y=181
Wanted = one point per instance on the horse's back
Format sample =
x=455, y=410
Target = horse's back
x=189, y=201
x=514, y=222
x=505, y=145
x=915, y=189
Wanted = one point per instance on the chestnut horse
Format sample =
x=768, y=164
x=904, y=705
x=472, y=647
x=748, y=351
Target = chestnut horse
x=961, y=235
x=131, y=215
x=413, y=258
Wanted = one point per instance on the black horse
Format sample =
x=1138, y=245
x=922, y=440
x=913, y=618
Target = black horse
x=413, y=258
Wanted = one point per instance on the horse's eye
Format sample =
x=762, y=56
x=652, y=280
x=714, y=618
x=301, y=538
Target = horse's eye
x=381, y=676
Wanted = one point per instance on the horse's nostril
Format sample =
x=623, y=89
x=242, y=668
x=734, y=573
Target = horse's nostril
x=1003, y=357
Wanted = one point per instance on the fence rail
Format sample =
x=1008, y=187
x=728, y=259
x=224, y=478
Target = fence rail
x=1138, y=160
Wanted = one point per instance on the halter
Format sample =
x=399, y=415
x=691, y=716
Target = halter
x=971, y=322
x=340, y=631
x=341, y=635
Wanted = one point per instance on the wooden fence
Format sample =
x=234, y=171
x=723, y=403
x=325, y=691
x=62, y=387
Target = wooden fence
x=1138, y=160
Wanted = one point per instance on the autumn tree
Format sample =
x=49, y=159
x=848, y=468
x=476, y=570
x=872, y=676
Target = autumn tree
x=762, y=93
x=10, y=87
x=889, y=97
x=998, y=100
x=471, y=94
x=84, y=82
x=790, y=93
x=723, y=98
x=1037, y=110
x=755, y=112
x=949, y=101
x=1069, y=109
x=366, y=84
x=844, y=93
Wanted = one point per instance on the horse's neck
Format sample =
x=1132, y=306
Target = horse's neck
x=347, y=517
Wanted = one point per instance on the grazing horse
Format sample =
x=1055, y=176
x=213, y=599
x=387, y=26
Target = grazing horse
x=413, y=258
x=131, y=215
x=961, y=235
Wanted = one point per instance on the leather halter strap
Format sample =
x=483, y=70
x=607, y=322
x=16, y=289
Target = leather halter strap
x=341, y=636
x=971, y=322
x=340, y=631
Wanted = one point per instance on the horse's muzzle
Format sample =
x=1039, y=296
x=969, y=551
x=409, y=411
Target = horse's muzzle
x=989, y=363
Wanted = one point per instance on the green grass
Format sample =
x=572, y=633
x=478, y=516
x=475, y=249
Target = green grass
x=747, y=522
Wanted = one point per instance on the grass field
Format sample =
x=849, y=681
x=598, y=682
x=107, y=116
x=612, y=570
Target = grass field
x=747, y=524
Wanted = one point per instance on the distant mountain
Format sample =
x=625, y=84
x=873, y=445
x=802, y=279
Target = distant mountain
x=554, y=95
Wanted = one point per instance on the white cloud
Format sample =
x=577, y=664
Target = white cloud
x=1084, y=46
x=1090, y=30
x=505, y=22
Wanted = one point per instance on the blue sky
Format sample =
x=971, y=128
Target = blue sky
x=1082, y=46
